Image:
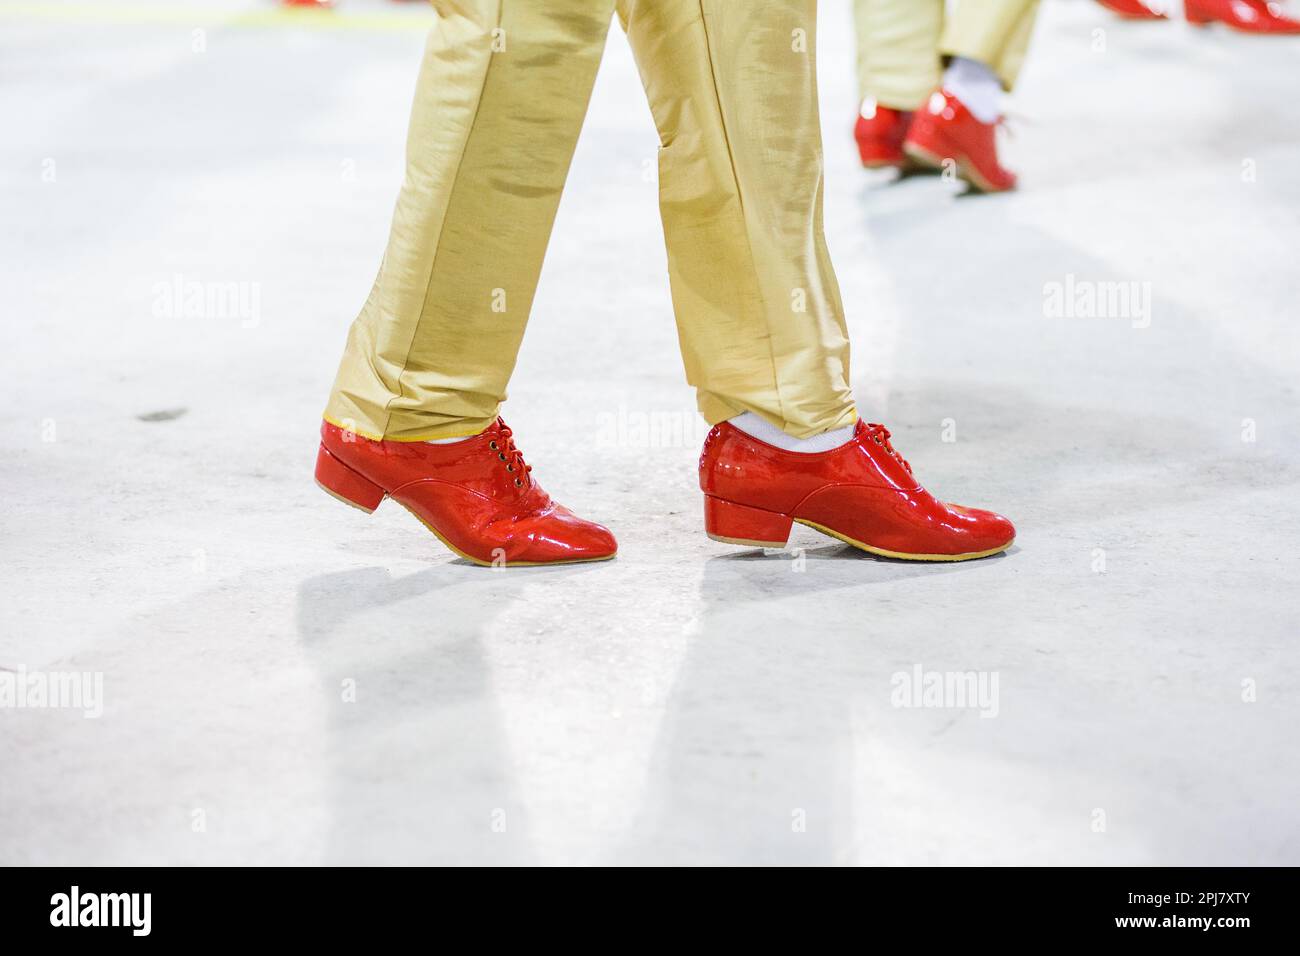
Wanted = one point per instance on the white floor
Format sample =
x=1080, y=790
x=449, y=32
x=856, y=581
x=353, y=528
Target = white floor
x=688, y=702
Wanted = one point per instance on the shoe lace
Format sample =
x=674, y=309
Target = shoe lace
x=880, y=435
x=1010, y=122
x=504, y=445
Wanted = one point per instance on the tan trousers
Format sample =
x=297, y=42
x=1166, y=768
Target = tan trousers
x=902, y=44
x=499, y=104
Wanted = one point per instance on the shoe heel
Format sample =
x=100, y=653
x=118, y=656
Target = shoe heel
x=345, y=484
x=739, y=524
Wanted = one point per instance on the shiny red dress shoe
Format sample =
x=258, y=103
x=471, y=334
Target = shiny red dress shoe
x=476, y=495
x=880, y=132
x=944, y=130
x=1132, y=10
x=1248, y=16
x=862, y=492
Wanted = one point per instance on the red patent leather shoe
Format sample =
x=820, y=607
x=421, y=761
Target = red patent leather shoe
x=862, y=493
x=476, y=496
x=1248, y=16
x=880, y=132
x=945, y=130
x=1132, y=10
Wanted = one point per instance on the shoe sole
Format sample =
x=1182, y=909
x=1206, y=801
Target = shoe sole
x=903, y=555
x=965, y=170
x=863, y=546
x=905, y=165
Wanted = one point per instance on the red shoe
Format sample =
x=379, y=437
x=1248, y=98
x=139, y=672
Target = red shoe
x=1132, y=10
x=1248, y=16
x=475, y=495
x=862, y=493
x=320, y=4
x=946, y=130
x=880, y=132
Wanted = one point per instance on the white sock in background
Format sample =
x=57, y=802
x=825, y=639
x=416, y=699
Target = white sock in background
x=765, y=431
x=977, y=86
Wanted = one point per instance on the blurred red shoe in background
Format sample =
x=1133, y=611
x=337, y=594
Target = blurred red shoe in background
x=1248, y=16
x=880, y=132
x=945, y=131
x=1132, y=10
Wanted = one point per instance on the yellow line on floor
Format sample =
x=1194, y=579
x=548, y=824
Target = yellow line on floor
x=138, y=14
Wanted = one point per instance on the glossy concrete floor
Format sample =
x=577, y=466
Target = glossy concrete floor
x=288, y=681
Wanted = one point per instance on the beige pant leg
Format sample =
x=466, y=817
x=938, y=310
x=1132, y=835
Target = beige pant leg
x=501, y=97
x=733, y=89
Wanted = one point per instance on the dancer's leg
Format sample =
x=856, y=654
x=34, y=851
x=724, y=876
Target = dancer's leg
x=733, y=90
x=501, y=99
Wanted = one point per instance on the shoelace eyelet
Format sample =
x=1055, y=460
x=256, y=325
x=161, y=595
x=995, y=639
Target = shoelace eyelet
x=509, y=454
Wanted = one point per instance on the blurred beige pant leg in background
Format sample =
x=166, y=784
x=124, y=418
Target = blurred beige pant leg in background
x=898, y=50
x=500, y=102
x=994, y=32
x=902, y=44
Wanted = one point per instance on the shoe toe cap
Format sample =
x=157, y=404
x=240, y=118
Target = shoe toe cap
x=566, y=537
x=987, y=529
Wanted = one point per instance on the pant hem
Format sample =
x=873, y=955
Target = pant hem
x=447, y=432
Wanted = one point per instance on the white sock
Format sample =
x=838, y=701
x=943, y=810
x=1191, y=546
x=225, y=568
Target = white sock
x=450, y=441
x=977, y=86
x=765, y=431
